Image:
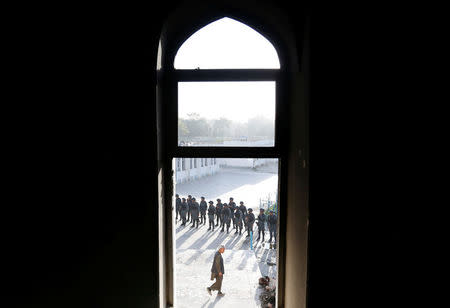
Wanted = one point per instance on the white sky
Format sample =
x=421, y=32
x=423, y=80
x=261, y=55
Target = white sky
x=236, y=101
x=227, y=43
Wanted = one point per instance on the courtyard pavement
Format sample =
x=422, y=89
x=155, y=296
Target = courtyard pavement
x=195, y=248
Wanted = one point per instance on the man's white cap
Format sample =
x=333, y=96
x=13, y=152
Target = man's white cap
x=221, y=246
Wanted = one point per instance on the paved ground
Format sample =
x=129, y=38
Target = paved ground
x=195, y=248
x=241, y=184
x=243, y=267
x=240, y=283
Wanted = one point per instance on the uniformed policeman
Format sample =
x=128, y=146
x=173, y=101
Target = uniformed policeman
x=219, y=207
x=238, y=218
x=250, y=218
x=177, y=206
x=189, y=202
x=183, y=211
x=203, y=208
x=262, y=218
x=272, y=222
x=226, y=216
x=232, y=206
x=211, y=212
x=244, y=211
x=194, y=212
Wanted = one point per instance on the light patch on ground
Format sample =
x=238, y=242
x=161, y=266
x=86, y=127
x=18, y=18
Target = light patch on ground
x=243, y=185
x=240, y=283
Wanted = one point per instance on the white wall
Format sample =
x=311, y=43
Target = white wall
x=244, y=162
x=195, y=173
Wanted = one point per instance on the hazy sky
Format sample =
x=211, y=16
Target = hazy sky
x=227, y=43
x=236, y=101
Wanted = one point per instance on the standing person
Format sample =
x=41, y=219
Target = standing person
x=194, y=212
x=244, y=211
x=222, y=221
x=226, y=214
x=189, y=202
x=177, y=206
x=211, y=212
x=219, y=207
x=262, y=218
x=183, y=211
x=217, y=272
x=238, y=217
x=250, y=220
x=272, y=222
x=203, y=208
x=232, y=206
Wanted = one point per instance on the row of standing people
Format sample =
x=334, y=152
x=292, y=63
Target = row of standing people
x=223, y=214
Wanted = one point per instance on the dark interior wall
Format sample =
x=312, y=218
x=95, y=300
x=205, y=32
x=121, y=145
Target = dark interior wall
x=81, y=226
x=84, y=228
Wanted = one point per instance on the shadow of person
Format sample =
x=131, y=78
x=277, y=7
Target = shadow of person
x=218, y=298
x=204, y=305
x=212, y=304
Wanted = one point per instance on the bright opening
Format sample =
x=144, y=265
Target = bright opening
x=226, y=113
x=226, y=44
x=246, y=225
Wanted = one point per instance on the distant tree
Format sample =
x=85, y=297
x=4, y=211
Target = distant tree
x=196, y=126
x=238, y=129
x=221, y=127
x=260, y=126
x=183, y=130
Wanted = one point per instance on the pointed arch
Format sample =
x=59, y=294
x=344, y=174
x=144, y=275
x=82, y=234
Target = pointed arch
x=226, y=44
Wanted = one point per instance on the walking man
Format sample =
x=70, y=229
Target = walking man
x=262, y=218
x=272, y=222
x=183, y=211
x=250, y=220
x=211, y=212
x=203, y=208
x=177, y=206
x=194, y=212
x=217, y=272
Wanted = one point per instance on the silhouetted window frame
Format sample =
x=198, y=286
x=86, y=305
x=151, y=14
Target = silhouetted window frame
x=168, y=79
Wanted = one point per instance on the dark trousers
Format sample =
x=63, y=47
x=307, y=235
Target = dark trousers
x=249, y=228
x=218, y=218
x=211, y=223
x=239, y=225
x=259, y=233
x=183, y=218
x=189, y=215
x=228, y=225
x=177, y=212
x=194, y=220
x=274, y=232
x=203, y=218
x=218, y=284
